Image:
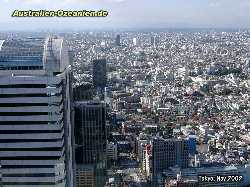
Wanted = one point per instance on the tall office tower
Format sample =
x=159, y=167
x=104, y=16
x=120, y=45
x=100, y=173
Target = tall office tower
x=154, y=40
x=35, y=116
x=169, y=152
x=118, y=40
x=100, y=73
x=91, y=138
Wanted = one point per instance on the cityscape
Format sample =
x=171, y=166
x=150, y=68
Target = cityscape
x=147, y=105
x=168, y=108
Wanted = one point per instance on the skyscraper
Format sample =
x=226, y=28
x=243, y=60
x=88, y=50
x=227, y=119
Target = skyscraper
x=118, y=40
x=100, y=73
x=35, y=115
x=91, y=137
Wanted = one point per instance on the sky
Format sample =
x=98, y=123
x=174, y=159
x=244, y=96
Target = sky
x=130, y=14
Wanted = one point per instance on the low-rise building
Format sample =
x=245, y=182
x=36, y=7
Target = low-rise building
x=85, y=175
x=112, y=151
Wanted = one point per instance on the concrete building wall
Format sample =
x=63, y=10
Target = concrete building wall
x=35, y=123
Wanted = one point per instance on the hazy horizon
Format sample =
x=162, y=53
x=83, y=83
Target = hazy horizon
x=127, y=14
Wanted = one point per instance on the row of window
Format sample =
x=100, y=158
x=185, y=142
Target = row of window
x=30, y=85
x=23, y=113
x=32, y=149
x=24, y=86
x=28, y=113
x=28, y=131
x=29, y=104
x=26, y=166
x=32, y=183
x=32, y=158
x=30, y=175
x=28, y=95
x=28, y=140
x=21, y=67
x=29, y=122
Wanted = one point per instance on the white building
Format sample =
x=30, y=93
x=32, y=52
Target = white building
x=35, y=113
x=112, y=151
x=148, y=160
x=135, y=41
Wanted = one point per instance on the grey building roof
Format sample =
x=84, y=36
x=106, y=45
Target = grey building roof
x=25, y=52
x=49, y=54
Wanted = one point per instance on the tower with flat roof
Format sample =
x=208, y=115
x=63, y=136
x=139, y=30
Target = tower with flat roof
x=118, y=40
x=168, y=153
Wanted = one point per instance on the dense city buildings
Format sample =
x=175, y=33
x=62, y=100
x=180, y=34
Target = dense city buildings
x=187, y=87
x=151, y=94
x=35, y=113
x=174, y=106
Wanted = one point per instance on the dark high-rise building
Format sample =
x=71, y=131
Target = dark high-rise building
x=100, y=73
x=152, y=41
x=118, y=40
x=90, y=126
x=168, y=153
x=91, y=137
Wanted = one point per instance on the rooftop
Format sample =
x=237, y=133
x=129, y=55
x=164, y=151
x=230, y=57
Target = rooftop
x=49, y=54
x=21, y=52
